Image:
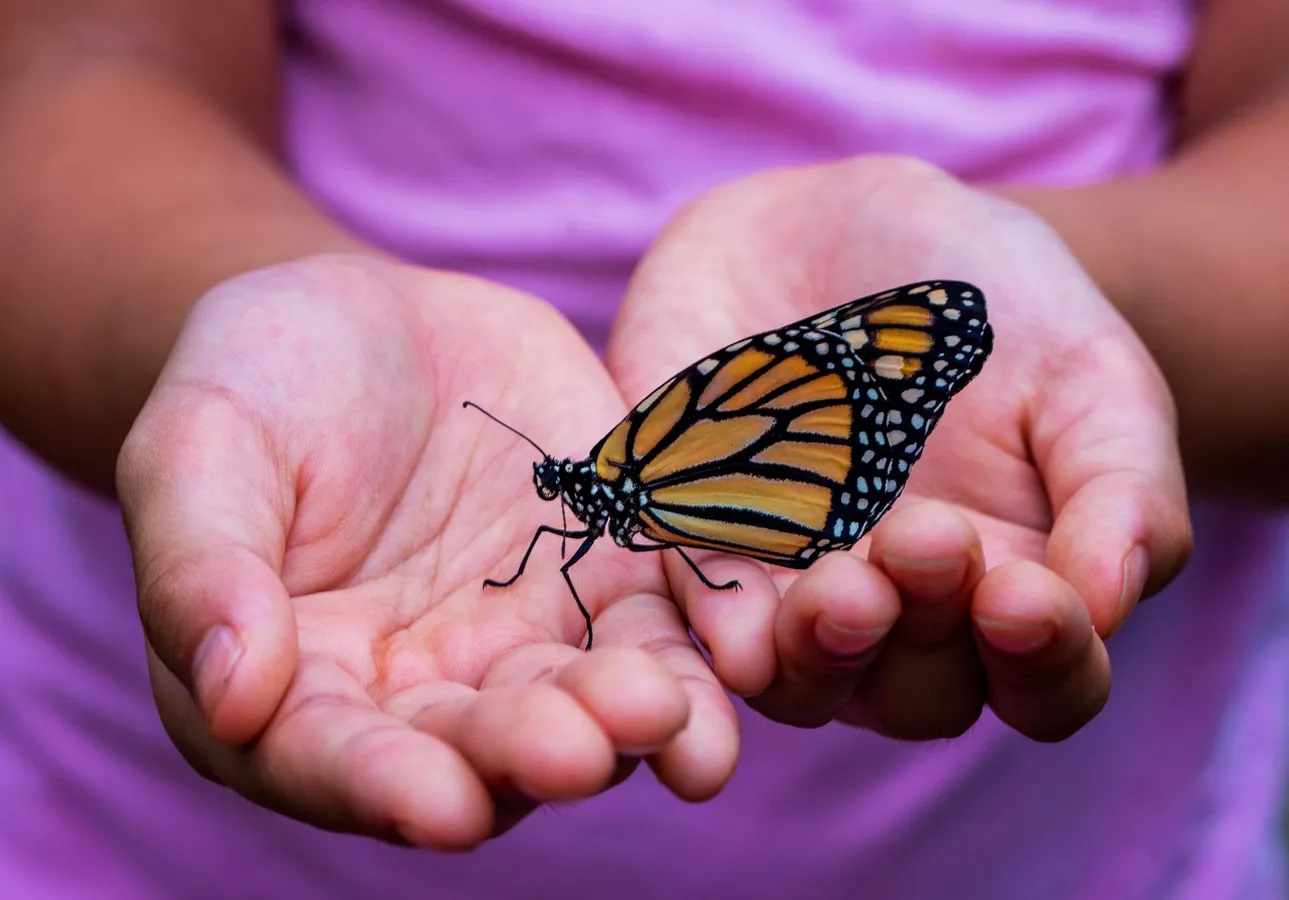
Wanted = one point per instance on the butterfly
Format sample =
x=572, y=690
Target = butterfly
x=780, y=447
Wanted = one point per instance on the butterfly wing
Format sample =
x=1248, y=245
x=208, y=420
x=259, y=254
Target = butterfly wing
x=923, y=343
x=795, y=441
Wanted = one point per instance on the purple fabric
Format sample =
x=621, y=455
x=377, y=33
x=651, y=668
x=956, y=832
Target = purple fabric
x=542, y=144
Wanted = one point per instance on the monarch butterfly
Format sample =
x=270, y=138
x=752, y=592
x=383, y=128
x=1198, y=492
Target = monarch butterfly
x=780, y=447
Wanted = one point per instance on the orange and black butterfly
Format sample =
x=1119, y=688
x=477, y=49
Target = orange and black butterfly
x=782, y=446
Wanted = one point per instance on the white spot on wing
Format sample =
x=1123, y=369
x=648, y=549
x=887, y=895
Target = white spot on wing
x=857, y=338
x=889, y=366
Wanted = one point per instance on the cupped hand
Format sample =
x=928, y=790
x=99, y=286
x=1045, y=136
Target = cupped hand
x=313, y=514
x=1048, y=499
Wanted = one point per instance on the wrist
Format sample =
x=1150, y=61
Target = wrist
x=1098, y=224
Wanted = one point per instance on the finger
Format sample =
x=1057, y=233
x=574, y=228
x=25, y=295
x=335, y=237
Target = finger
x=644, y=702
x=736, y=626
x=655, y=698
x=334, y=761
x=197, y=491
x=1107, y=449
x=933, y=555
x=645, y=686
x=634, y=698
x=441, y=709
x=830, y=626
x=549, y=722
x=927, y=683
x=533, y=740
x=1047, y=670
x=699, y=760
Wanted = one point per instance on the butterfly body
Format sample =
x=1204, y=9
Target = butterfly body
x=601, y=506
x=784, y=445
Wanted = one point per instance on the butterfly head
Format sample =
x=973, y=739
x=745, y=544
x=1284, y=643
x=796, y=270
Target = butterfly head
x=547, y=474
x=548, y=479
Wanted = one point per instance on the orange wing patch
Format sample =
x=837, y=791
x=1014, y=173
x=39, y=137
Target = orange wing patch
x=661, y=419
x=704, y=442
x=829, y=421
x=786, y=371
x=902, y=340
x=696, y=531
x=830, y=461
x=613, y=451
x=805, y=504
x=900, y=315
x=732, y=371
x=825, y=387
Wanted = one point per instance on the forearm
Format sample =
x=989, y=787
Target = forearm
x=1196, y=256
x=127, y=195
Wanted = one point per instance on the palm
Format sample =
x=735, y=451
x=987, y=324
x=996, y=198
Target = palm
x=378, y=507
x=1039, y=431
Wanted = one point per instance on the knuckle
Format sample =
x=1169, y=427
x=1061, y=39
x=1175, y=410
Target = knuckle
x=163, y=587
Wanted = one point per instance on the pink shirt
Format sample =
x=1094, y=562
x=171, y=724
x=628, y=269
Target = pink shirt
x=542, y=145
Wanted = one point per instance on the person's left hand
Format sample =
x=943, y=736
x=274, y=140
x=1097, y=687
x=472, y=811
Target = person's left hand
x=313, y=516
x=1049, y=498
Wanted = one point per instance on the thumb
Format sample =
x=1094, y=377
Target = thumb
x=1105, y=441
x=203, y=508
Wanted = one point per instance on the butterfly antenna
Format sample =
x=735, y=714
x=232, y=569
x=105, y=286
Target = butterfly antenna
x=505, y=426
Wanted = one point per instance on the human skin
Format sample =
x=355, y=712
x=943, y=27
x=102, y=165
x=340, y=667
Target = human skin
x=108, y=272
x=1055, y=476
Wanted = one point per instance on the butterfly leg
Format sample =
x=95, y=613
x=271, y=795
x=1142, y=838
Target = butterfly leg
x=542, y=529
x=578, y=554
x=645, y=548
x=727, y=586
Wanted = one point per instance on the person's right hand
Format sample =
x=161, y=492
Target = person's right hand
x=1051, y=494
x=312, y=515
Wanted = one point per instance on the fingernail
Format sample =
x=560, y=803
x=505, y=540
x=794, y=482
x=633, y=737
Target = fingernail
x=1135, y=566
x=841, y=641
x=1016, y=637
x=217, y=656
